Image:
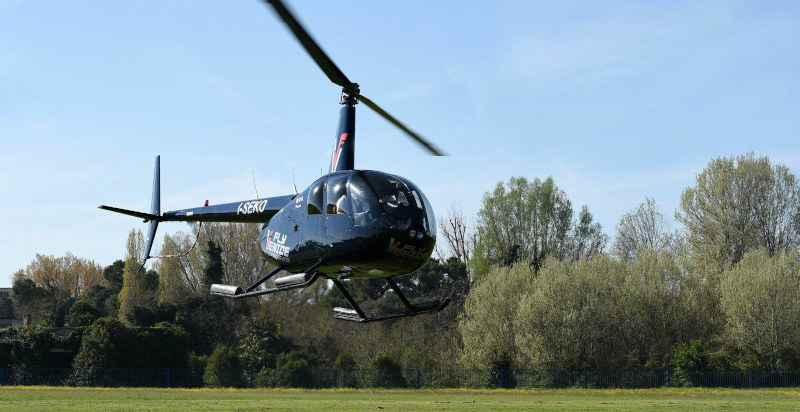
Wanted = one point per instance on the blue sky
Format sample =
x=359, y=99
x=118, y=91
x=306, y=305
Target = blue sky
x=615, y=100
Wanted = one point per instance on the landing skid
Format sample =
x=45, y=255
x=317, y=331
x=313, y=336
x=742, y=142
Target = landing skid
x=310, y=275
x=358, y=315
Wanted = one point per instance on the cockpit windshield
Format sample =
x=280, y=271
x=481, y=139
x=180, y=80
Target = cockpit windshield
x=383, y=200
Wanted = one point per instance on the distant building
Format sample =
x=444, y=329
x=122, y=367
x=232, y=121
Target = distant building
x=4, y=323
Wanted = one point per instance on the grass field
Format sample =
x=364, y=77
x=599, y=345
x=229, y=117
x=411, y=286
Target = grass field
x=100, y=399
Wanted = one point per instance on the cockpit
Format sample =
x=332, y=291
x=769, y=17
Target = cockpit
x=374, y=200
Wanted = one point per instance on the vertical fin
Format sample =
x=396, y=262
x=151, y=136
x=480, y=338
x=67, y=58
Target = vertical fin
x=155, y=209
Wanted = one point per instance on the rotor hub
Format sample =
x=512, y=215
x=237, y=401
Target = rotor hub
x=350, y=95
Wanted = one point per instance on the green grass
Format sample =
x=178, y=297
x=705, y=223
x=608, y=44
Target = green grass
x=100, y=399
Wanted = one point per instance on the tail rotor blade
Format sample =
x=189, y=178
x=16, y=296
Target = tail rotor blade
x=419, y=139
x=323, y=61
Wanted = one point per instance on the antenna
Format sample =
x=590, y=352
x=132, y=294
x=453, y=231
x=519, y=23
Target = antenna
x=253, y=172
x=293, y=183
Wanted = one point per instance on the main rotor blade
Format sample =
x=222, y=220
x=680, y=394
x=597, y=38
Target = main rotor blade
x=323, y=61
x=369, y=103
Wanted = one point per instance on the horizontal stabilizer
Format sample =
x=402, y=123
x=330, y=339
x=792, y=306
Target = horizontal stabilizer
x=142, y=215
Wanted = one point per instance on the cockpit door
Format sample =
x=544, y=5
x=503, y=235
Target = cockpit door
x=339, y=216
x=314, y=227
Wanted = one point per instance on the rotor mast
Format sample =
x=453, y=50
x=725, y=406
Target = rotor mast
x=344, y=142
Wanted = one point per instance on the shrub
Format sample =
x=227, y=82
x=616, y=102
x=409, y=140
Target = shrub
x=164, y=345
x=223, y=368
x=260, y=342
x=106, y=345
x=83, y=313
x=344, y=367
x=291, y=370
x=30, y=347
x=386, y=373
x=687, y=359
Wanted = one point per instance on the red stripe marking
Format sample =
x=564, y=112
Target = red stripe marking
x=338, y=151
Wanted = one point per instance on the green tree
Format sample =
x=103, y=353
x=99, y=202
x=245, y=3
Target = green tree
x=171, y=288
x=103, y=298
x=687, y=359
x=587, y=238
x=106, y=345
x=67, y=273
x=83, y=313
x=738, y=205
x=291, y=370
x=28, y=298
x=134, y=245
x=760, y=298
x=568, y=317
x=604, y=313
x=644, y=229
x=214, y=270
x=345, y=368
x=522, y=219
x=134, y=291
x=488, y=324
x=260, y=343
x=50, y=306
x=667, y=303
x=164, y=345
x=386, y=372
x=151, y=281
x=223, y=368
x=242, y=259
x=113, y=274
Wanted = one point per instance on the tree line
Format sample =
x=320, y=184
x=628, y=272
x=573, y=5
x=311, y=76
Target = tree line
x=535, y=285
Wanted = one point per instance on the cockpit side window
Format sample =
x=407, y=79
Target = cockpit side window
x=391, y=192
x=337, y=196
x=315, y=199
x=384, y=200
x=424, y=204
x=367, y=211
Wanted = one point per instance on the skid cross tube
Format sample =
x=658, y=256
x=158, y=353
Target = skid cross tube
x=310, y=276
x=308, y=282
x=264, y=279
x=349, y=298
x=400, y=294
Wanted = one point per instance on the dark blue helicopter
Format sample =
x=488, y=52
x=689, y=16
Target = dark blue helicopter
x=348, y=224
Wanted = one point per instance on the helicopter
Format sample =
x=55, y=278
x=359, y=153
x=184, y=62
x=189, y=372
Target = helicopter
x=348, y=224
